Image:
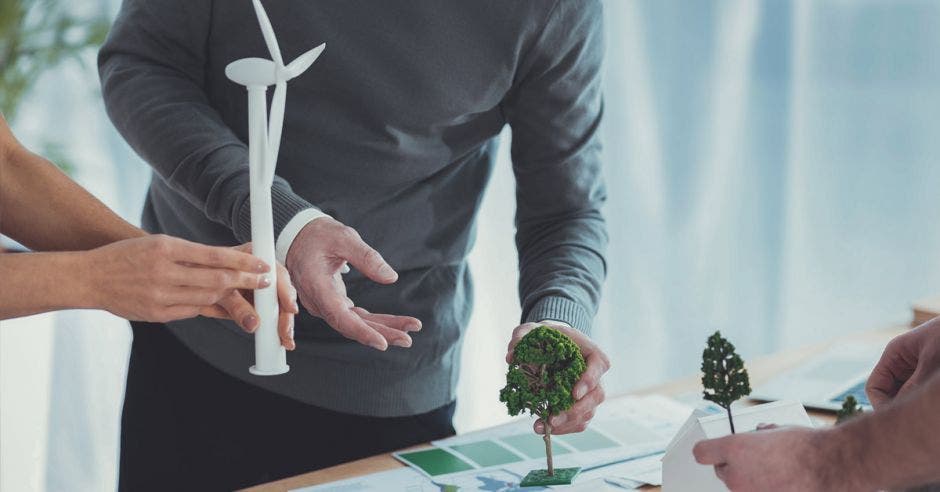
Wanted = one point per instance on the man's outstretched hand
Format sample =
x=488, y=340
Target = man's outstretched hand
x=588, y=392
x=315, y=261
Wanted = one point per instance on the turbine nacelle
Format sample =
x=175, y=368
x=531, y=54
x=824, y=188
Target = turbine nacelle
x=261, y=72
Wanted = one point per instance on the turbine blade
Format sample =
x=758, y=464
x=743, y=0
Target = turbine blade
x=267, y=30
x=276, y=124
x=303, y=62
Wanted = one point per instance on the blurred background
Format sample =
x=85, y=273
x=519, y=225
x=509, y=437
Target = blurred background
x=773, y=172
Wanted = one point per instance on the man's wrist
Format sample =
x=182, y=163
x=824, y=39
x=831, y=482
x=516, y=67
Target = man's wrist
x=287, y=236
x=839, y=460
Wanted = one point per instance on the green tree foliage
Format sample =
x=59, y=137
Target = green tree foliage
x=850, y=408
x=724, y=377
x=545, y=366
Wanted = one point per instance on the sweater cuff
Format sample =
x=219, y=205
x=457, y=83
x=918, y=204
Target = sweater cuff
x=560, y=309
x=286, y=238
x=285, y=204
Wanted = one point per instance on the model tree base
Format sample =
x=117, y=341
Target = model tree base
x=540, y=478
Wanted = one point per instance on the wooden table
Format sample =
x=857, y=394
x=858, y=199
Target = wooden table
x=760, y=369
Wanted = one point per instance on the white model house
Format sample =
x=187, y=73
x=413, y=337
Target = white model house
x=680, y=471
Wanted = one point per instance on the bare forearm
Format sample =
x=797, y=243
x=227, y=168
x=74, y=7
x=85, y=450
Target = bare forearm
x=45, y=210
x=895, y=447
x=44, y=282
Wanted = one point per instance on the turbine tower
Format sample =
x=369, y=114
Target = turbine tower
x=264, y=142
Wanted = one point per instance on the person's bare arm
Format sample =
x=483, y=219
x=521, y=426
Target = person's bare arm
x=896, y=446
x=52, y=212
x=104, y=262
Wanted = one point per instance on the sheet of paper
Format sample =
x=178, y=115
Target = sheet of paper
x=624, y=428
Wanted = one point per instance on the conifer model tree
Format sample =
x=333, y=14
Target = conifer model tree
x=850, y=408
x=724, y=377
x=545, y=366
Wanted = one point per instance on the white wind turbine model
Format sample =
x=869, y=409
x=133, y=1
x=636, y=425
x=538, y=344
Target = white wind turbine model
x=264, y=141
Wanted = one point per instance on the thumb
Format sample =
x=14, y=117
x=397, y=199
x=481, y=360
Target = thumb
x=915, y=381
x=365, y=259
x=711, y=452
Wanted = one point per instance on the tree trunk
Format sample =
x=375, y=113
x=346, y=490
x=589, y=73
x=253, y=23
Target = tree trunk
x=730, y=419
x=548, y=448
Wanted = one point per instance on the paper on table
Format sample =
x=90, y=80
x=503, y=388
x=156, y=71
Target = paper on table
x=623, y=428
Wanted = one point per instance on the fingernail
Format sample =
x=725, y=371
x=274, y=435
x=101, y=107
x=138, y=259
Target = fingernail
x=558, y=420
x=379, y=346
x=404, y=342
x=579, y=391
x=261, y=267
x=249, y=322
x=265, y=281
x=387, y=271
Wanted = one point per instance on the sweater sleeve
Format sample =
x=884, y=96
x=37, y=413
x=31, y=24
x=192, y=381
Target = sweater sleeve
x=554, y=110
x=152, y=70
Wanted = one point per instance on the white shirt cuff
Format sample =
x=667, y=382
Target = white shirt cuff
x=290, y=231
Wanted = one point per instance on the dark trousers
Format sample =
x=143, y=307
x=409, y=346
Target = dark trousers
x=188, y=426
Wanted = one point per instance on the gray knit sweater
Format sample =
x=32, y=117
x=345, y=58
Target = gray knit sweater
x=393, y=132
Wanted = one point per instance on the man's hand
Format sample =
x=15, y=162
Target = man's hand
x=907, y=362
x=781, y=459
x=588, y=392
x=316, y=259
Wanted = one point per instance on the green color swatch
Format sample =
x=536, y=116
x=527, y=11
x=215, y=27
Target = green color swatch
x=487, y=453
x=436, y=461
x=589, y=440
x=532, y=445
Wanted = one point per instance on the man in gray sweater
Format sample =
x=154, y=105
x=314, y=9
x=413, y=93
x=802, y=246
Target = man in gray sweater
x=392, y=134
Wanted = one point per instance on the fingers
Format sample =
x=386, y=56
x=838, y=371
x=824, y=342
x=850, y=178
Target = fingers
x=240, y=311
x=597, y=365
x=192, y=296
x=216, y=257
x=517, y=335
x=712, y=451
x=217, y=278
x=891, y=372
x=214, y=311
x=173, y=313
x=577, y=418
x=403, y=323
x=286, y=293
x=334, y=310
x=394, y=337
x=285, y=330
x=367, y=260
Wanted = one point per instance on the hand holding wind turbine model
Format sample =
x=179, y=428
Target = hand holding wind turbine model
x=264, y=141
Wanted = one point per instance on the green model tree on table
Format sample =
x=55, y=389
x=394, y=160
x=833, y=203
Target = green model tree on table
x=545, y=366
x=724, y=377
x=850, y=408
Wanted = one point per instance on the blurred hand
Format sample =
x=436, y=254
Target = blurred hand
x=316, y=259
x=238, y=306
x=780, y=459
x=161, y=278
x=907, y=362
x=588, y=392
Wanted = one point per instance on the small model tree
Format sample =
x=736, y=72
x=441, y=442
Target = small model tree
x=724, y=377
x=850, y=408
x=545, y=366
